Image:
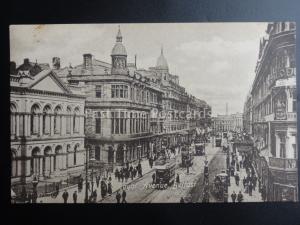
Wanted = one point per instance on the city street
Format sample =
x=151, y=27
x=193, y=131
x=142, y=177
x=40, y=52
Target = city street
x=140, y=190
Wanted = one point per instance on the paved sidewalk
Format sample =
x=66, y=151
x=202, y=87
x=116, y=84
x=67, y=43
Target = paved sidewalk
x=256, y=195
x=81, y=195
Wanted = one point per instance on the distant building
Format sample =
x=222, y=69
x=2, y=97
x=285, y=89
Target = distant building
x=225, y=123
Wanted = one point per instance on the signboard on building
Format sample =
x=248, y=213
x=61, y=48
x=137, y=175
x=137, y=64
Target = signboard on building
x=280, y=108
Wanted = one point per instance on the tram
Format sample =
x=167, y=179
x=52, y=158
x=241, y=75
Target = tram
x=165, y=174
x=186, y=157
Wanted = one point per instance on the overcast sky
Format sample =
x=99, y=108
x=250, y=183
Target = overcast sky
x=214, y=61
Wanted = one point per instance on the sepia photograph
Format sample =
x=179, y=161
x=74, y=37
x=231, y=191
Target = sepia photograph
x=153, y=113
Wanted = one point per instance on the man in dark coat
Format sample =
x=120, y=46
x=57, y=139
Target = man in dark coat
x=117, y=173
x=124, y=196
x=263, y=193
x=97, y=180
x=118, y=197
x=240, y=197
x=153, y=178
x=237, y=179
x=109, y=188
x=177, y=179
x=75, y=197
x=233, y=196
x=65, y=196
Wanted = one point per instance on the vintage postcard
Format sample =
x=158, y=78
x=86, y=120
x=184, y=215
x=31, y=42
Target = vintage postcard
x=153, y=113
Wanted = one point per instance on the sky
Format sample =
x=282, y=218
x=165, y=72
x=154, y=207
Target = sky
x=214, y=61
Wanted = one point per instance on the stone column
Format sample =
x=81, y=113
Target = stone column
x=17, y=125
x=115, y=159
x=40, y=162
x=81, y=125
x=63, y=125
x=51, y=163
x=51, y=125
x=71, y=124
x=27, y=167
x=40, y=124
x=25, y=125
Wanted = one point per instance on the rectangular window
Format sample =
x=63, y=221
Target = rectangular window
x=98, y=91
x=122, y=123
x=282, y=146
x=98, y=125
x=117, y=91
x=130, y=123
x=112, y=122
x=294, y=105
x=117, y=130
x=113, y=91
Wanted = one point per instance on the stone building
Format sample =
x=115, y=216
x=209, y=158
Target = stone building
x=274, y=112
x=247, y=115
x=225, y=123
x=119, y=105
x=46, y=125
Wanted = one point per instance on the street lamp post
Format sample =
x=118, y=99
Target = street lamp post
x=34, y=184
x=86, y=176
x=92, y=160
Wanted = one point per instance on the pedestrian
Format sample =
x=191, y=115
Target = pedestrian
x=264, y=193
x=95, y=196
x=177, y=179
x=117, y=174
x=65, y=196
x=240, y=197
x=237, y=179
x=153, y=178
x=34, y=196
x=181, y=200
x=122, y=175
x=109, y=178
x=23, y=194
x=118, y=197
x=109, y=188
x=244, y=182
x=103, y=188
x=250, y=187
x=124, y=196
x=233, y=196
x=75, y=197
x=97, y=181
x=254, y=180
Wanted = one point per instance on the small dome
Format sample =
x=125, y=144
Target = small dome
x=118, y=49
x=162, y=62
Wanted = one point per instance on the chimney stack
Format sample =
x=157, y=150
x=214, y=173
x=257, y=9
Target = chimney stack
x=87, y=61
x=56, y=63
x=13, y=67
x=26, y=61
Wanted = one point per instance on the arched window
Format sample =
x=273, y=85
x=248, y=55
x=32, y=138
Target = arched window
x=35, y=161
x=68, y=120
x=34, y=119
x=76, y=121
x=57, y=120
x=58, y=158
x=46, y=119
x=13, y=123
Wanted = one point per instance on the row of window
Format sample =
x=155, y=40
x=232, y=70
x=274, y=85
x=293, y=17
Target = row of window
x=35, y=124
x=138, y=123
x=121, y=91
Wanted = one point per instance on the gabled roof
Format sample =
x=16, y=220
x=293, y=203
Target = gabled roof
x=48, y=74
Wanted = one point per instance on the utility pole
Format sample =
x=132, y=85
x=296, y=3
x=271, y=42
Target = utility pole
x=86, y=176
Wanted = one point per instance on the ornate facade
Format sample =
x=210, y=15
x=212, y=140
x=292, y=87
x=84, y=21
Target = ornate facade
x=46, y=126
x=225, y=123
x=274, y=110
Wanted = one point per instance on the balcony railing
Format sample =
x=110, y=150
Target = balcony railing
x=283, y=163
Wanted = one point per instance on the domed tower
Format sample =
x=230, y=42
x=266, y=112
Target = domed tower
x=162, y=66
x=119, y=56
